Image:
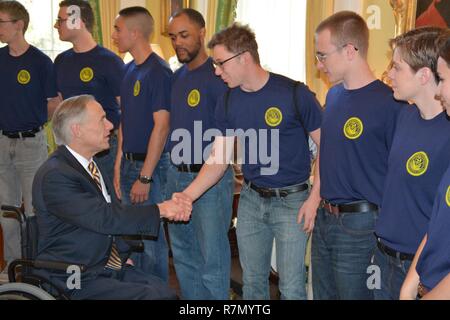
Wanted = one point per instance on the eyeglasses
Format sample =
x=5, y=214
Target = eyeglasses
x=323, y=56
x=59, y=21
x=219, y=64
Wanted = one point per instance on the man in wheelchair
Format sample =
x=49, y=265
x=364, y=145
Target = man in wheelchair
x=80, y=220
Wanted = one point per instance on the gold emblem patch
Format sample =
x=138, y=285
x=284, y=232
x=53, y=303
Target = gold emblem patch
x=274, y=117
x=417, y=165
x=137, y=88
x=87, y=74
x=447, y=196
x=24, y=77
x=194, y=98
x=353, y=128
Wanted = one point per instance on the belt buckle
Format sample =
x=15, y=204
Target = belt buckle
x=264, y=193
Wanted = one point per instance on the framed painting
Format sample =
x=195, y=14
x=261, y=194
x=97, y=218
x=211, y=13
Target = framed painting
x=168, y=8
x=433, y=13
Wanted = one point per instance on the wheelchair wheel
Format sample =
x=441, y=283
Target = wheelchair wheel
x=23, y=291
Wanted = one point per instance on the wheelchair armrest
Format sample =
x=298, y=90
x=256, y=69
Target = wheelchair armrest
x=13, y=212
x=41, y=264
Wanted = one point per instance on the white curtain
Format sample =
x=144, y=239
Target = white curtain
x=280, y=28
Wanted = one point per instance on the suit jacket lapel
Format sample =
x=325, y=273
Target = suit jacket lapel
x=73, y=162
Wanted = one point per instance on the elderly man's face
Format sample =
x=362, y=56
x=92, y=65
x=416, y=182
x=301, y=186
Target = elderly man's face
x=95, y=129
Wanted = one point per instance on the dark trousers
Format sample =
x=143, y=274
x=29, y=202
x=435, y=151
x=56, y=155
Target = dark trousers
x=126, y=284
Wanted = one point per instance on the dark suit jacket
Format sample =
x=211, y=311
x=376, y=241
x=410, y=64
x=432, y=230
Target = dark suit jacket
x=76, y=224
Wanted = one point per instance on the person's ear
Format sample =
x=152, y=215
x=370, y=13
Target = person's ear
x=75, y=128
x=425, y=75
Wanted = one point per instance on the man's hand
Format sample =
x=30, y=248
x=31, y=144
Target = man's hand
x=139, y=192
x=182, y=198
x=308, y=213
x=175, y=211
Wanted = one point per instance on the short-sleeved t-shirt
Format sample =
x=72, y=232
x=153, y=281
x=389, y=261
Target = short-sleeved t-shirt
x=275, y=148
x=419, y=156
x=193, y=101
x=145, y=90
x=98, y=72
x=434, y=262
x=26, y=83
x=356, y=136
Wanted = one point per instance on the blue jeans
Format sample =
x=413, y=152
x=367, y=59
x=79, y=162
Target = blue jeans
x=393, y=273
x=19, y=161
x=201, y=249
x=161, y=172
x=260, y=220
x=108, y=157
x=155, y=258
x=340, y=255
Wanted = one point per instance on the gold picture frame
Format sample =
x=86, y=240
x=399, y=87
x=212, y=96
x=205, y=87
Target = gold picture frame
x=404, y=14
x=168, y=8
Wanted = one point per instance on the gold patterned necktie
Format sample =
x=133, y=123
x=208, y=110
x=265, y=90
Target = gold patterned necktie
x=114, y=261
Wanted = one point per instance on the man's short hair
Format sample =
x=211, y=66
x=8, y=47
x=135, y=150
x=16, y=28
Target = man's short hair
x=193, y=15
x=140, y=18
x=16, y=12
x=69, y=112
x=347, y=27
x=236, y=39
x=420, y=47
x=445, y=50
x=86, y=12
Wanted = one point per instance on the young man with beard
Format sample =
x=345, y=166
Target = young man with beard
x=201, y=249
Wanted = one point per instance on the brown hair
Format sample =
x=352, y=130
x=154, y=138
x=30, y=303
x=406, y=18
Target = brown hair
x=236, y=39
x=445, y=50
x=142, y=19
x=16, y=11
x=347, y=27
x=86, y=12
x=419, y=47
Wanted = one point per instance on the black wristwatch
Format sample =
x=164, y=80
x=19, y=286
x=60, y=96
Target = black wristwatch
x=145, y=179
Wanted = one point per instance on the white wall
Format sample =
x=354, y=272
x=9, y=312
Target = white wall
x=352, y=5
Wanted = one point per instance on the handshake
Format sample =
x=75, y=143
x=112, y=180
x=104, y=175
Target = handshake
x=179, y=208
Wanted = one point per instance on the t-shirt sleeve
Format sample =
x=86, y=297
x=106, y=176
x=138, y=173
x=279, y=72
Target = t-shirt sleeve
x=49, y=79
x=221, y=114
x=116, y=74
x=161, y=85
x=309, y=107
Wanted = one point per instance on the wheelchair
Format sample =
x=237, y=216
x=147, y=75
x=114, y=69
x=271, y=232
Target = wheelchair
x=24, y=284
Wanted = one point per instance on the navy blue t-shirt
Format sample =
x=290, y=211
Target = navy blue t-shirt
x=265, y=114
x=98, y=72
x=145, y=90
x=434, y=262
x=356, y=136
x=26, y=83
x=419, y=156
x=193, y=99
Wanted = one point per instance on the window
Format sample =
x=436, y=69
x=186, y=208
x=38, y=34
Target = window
x=41, y=33
x=280, y=28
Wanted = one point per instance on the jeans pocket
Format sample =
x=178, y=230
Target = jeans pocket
x=358, y=224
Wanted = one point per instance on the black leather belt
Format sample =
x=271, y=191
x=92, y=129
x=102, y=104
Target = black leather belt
x=361, y=206
x=275, y=192
x=22, y=134
x=134, y=156
x=393, y=253
x=195, y=168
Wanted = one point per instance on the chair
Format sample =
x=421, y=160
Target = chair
x=23, y=281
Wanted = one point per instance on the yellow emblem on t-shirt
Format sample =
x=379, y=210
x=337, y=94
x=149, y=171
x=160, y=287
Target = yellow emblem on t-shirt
x=137, y=88
x=447, y=196
x=417, y=165
x=194, y=98
x=274, y=117
x=23, y=77
x=86, y=74
x=353, y=128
